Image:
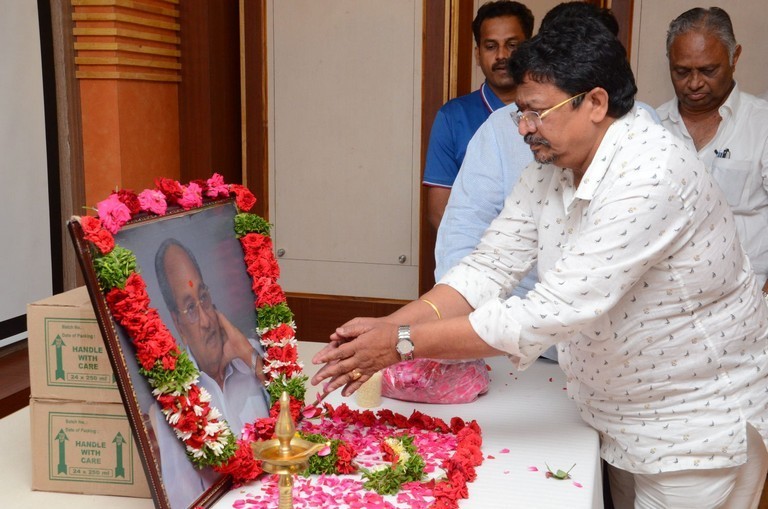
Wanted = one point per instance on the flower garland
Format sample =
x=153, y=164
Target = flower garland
x=173, y=377
x=170, y=372
x=460, y=468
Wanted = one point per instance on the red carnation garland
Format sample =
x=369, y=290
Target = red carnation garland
x=191, y=411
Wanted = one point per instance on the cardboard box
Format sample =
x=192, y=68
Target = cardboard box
x=81, y=438
x=80, y=447
x=67, y=357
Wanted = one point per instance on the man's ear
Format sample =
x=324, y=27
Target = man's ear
x=736, y=55
x=597, y=101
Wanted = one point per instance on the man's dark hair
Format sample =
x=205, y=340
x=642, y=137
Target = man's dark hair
x=577, y=56
x=500, y=9
x=581, y=10
x=162, y=277
x=714, y=21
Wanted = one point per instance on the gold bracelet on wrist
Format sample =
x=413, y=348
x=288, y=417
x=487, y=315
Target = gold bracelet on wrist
x=432, y=305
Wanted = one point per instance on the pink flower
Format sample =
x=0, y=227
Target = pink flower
x=217, y=187
x=152, y=200
x=113, y=213
x=191, y=196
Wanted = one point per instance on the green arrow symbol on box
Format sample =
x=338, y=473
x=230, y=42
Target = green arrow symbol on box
x=58, y=343
x=62, y=437
x=119, y=468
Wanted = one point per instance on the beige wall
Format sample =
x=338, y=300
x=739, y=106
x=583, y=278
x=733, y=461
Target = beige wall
x=651, y=19
x=345, y=103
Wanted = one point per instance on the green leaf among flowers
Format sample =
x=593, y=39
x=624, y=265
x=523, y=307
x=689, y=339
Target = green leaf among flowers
x=211, y=458
x=113, y=268
x=388, y=479
x=321, y=464
x=251, y=223
x=295, y=387
x=170, y=381
x=270, y=317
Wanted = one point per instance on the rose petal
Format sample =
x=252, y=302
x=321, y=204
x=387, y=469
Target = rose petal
x=577, y=484
x=504, y=451
x=533, y=469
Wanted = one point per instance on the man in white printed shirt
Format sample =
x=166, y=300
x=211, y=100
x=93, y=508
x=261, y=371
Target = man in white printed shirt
x=658, y=316
x=728, y=128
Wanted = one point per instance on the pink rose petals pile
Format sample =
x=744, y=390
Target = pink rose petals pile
x=347, y=491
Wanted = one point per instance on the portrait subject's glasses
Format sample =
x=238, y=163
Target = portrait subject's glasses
x=533, y=118
x=191, y=313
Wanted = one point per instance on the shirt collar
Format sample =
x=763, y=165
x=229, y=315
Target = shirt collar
x=726, y=110
x=609, y=145
x=490, y=100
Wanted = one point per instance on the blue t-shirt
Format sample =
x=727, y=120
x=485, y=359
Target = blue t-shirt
x=454, y=126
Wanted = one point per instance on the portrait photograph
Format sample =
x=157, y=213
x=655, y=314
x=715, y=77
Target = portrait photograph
x=192, y=263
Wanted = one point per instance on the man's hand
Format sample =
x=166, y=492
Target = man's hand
x=236, y=345
x=362, y=345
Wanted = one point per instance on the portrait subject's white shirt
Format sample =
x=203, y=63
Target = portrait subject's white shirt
x=659, y=318
x=743, y=173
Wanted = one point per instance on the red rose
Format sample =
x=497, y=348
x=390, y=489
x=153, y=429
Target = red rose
x=341, y=413
x=170, y=188
x=91, y=225
x=129, y=300
x=253, y=244
x=457, y=424
x=261, y=429
x=287, y=353
x=270, y=295
x=264, y=267
x=367, y=418
x=130, y=200
x=344, y=456
x=400, y=421
x=386, y=416
x=244, y=198
x=388, y=454
x=441, y=425
x=242, y=466
x=279, y=333
x=295, y=408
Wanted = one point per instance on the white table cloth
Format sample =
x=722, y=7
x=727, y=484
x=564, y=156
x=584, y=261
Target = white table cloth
x=527, y=413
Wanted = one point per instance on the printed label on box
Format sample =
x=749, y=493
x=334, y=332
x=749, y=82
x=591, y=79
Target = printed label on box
x=76, y=356
x=90, y=448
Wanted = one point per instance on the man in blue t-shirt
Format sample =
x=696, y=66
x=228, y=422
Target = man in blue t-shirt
x=498, y=28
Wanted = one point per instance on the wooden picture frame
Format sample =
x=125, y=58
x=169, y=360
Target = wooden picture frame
x=207, y=232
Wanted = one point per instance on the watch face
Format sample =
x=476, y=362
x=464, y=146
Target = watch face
x=404, y=346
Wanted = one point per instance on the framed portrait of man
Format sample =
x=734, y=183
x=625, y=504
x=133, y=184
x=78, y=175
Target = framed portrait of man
x=195, y=276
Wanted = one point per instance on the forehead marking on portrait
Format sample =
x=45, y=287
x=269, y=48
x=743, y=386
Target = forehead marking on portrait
x=191, y=283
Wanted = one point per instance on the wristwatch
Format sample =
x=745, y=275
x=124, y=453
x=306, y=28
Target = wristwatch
x=404, y=344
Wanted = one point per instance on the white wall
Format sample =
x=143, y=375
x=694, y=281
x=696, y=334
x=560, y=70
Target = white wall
x=25, y=267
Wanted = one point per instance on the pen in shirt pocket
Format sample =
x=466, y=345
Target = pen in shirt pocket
x=723, y=154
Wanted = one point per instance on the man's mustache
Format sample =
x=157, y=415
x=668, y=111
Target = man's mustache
x=500, y=65
x=532, y=139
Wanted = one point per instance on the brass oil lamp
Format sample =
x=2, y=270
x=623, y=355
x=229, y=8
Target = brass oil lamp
x=285, y=455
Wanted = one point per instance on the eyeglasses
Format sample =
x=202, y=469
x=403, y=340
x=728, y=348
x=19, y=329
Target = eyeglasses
x=534, y=118
x=191, y=313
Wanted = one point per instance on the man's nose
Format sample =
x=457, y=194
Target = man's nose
x=695, y=82
x=503, y=53
x=205, y=316
x=525, y=127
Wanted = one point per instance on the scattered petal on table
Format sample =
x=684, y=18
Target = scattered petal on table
x=533, y=469
x=504, y=451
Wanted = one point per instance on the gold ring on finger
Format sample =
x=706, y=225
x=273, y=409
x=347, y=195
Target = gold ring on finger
x=355, y=374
